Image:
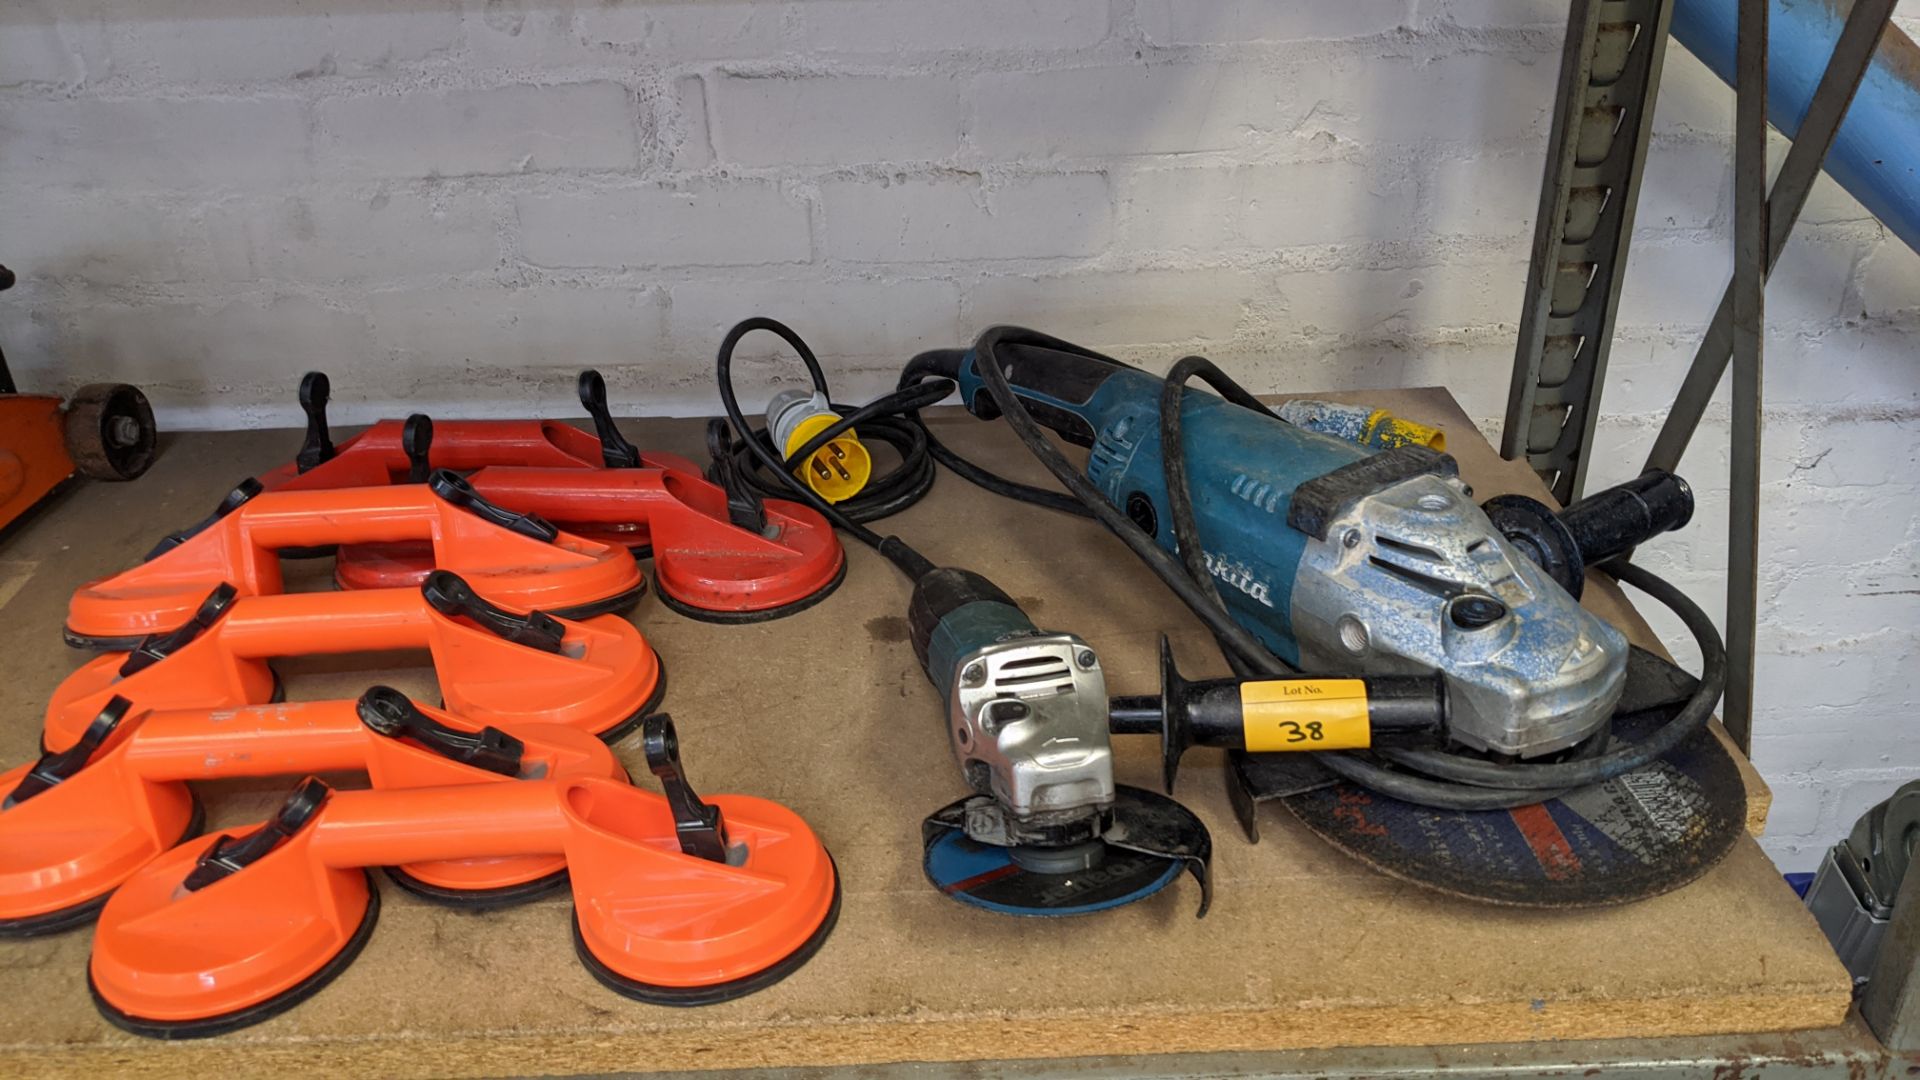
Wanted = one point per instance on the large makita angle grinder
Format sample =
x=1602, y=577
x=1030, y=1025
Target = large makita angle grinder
x=1307, y=553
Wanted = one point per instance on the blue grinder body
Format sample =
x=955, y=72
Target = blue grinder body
x=1242, y=468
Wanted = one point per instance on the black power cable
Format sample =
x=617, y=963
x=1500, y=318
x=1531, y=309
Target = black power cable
x=893, y=420
x=754, y=449
x=1432, y=778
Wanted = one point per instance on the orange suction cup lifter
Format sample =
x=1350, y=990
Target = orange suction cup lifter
x=494, y=666
x=76, y=823
x=733, y=557
x=651, y=920
x=512, y=557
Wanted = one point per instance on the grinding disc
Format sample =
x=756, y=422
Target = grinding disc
x=1638, y=835
x=987, y=876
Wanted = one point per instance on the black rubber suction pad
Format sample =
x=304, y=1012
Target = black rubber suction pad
x=738, y=618
x=171, y=1030
x=652, y=705
x=477, y=900
x=617, y=604
x=86, y=911
x=100, y=644
x=689, y=996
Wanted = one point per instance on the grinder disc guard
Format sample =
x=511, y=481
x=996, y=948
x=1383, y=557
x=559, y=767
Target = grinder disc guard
x=1151, y=840
x=1638, y=835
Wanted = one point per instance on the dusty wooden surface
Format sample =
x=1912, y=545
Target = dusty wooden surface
x=827, y=712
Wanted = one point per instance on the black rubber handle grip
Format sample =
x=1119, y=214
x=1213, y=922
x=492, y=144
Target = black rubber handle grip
x=1052, y=383
x=1610, y=523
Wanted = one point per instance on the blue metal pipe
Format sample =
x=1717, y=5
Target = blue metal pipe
x=1876, y=155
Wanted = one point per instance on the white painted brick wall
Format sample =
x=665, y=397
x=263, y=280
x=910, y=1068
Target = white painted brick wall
x=943, y=218
x=505, y=129
x=455, y=203
x=692, y=224
x=830, y=119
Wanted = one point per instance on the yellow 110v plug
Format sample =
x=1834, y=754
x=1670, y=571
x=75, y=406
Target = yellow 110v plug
x=836, y=471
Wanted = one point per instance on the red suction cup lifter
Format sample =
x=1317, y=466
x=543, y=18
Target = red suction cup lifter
x=391, y=450
x=711, y=563
x=705, y=565
x=77, y=823
x=495, y=667
x=513, y=558
x=224, y=932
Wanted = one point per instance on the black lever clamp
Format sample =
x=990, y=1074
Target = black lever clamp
x=745, y=508
x=229, y=855
x=56, y=766
x=241, y=494
x=456, y=489
x=700, y=826
x=449, y=594
x=615, y=451
x=416, y=441
x=157, y=647
x=315, y=391
x=391, y=713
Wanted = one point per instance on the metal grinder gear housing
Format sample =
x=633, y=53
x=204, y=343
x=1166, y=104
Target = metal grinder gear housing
x=1027, y=713
x=1339, y=557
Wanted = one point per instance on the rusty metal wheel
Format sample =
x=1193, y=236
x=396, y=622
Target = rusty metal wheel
x=110, y=431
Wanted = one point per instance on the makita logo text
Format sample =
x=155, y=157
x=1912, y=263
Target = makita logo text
x=1240, y=576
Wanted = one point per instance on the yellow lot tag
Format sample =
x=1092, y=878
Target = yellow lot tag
x=1305, y=714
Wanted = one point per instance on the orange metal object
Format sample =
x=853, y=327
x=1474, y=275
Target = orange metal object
x=33, y=452
x=64, y=848
x=644, y=911
x=568, y=576
x=602, y=679
x=705, y=565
